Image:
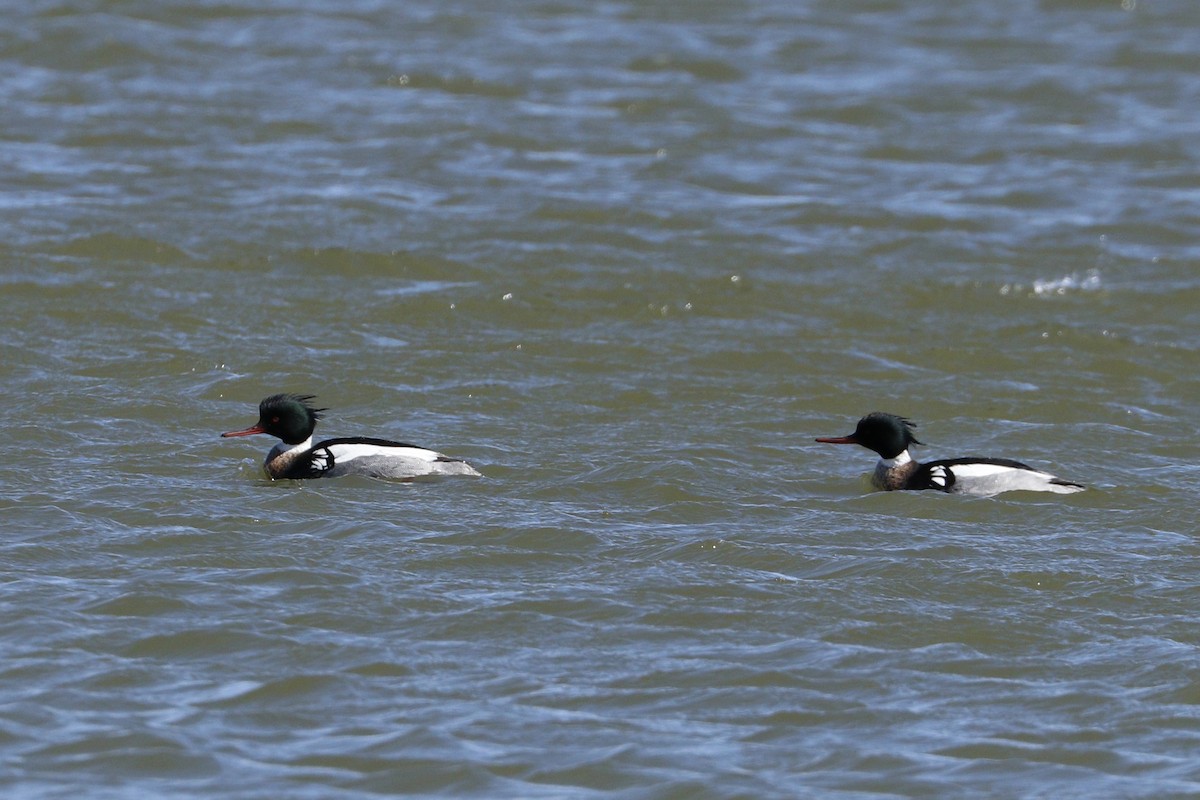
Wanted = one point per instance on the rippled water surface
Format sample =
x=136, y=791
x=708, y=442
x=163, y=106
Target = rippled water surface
x=629, y=259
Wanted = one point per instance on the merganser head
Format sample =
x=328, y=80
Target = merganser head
x=886, y=434
x=285, y=416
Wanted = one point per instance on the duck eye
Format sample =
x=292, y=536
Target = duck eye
x=274, y=419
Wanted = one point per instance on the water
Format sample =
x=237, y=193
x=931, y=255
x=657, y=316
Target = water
x=628, y=259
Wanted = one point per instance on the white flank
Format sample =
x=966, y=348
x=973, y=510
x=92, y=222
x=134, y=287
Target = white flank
x=399, y=463
x=989, y=479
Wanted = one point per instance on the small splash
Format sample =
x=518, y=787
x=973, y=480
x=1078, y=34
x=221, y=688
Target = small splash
x=1075, y=282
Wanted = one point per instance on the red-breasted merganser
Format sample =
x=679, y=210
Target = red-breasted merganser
x=890, y=436
x=290, y=417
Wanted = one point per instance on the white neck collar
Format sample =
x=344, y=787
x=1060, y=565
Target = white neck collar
x=284, y=447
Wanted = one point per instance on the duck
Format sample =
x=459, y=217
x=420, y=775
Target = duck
x=292, y=418
x=891, y=436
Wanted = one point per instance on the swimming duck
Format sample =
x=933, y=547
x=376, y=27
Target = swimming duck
x=891, y=436
x=292, y=419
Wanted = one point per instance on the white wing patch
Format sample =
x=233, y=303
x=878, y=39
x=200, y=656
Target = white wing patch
x=342, y=453
x=990, y=479
x=975, y=471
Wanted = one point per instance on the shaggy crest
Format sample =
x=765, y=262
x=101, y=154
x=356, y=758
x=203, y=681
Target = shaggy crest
x=277, y=400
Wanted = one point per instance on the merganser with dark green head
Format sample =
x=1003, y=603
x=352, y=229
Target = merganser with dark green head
x=890, y=436
x=291, y=418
